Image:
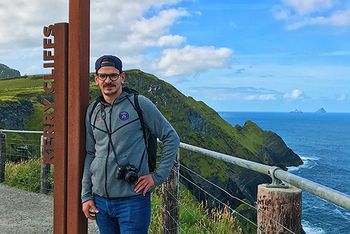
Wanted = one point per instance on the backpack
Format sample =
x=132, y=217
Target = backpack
x=149, y=137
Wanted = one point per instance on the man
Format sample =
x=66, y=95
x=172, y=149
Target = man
x=116, y=177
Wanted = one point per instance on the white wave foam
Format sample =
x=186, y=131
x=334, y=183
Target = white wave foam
x=309, y=158
x=310, y=229
x=309, y=162
x=342, y=213
x=293, y=168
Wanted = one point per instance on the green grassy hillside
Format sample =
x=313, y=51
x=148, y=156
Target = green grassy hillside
x=195, y=122
x=6, y=72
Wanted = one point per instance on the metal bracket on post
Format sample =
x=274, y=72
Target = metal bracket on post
x=276, y=183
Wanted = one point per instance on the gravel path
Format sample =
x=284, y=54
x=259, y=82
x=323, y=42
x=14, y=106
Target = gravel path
x=24, y=212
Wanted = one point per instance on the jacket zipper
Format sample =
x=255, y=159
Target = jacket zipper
x=106, y=169
x=106, y=163
x=109, y=145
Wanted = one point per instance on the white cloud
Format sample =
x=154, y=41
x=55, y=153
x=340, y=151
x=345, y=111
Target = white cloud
x=281, y=13
x=300, y=13
x=128, y=29
x=342, y=97
x=170, y=40
x=295, y=94
x=191, y=59
x=308, y=6
x=125, y=28
x=152, y=32
x=21, y=22
x=237, y=93
x=336, y=53
x=261, y=97
x=338, y=18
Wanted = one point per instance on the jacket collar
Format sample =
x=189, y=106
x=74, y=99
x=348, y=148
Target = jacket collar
x=119, y=99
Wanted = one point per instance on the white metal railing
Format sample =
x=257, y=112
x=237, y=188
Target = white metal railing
x=20, y=131
x=331, y=195
x=276, y=173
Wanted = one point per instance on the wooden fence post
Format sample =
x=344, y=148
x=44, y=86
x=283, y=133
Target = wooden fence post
x=279, y=209
x=45, y=170
x=2, y=156
x=170, y=191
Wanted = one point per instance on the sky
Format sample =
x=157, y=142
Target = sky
x=235, y=55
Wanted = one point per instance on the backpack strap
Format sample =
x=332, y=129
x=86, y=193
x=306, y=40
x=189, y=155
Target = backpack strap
x=139, y=112
x=150, y=139
x=97, y=101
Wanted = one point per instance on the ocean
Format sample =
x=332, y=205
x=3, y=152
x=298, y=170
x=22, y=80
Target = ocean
x=323, y=143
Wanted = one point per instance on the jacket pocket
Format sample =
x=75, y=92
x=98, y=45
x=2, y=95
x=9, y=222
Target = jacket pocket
x=93, y=165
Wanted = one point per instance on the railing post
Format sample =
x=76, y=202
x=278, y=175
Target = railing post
x=2, y=156
x=279, y=209
x=170, y=191
x=45, y=170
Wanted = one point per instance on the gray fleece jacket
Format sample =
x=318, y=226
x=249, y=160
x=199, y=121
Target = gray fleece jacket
x=114, y=137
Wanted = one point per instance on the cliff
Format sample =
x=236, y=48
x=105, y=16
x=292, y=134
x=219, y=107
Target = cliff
x=6, y=72
x=196, y=124
x=199, y=125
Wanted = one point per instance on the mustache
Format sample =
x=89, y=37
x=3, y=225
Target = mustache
x=108, y=85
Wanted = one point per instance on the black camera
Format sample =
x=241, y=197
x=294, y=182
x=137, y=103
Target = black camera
x=127, y=173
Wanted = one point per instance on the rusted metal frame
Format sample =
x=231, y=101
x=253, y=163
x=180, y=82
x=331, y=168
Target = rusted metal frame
x=60, y=123
x=78, y=97
x=54, y=151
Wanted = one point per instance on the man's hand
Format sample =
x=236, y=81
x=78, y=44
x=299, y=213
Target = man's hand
x=90, y=209
x=144, y=183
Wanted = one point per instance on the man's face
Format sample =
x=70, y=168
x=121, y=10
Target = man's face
x=109, y=87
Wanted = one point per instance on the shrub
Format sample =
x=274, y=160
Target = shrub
x=194, y=217
x=24, y=175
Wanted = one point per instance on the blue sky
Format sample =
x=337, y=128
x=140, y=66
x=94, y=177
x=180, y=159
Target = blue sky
x=235, y=56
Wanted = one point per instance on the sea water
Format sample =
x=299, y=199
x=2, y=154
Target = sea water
x=323, y=143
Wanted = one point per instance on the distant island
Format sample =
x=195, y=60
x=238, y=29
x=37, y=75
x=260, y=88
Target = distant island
x=296, y=111
x=322, y=110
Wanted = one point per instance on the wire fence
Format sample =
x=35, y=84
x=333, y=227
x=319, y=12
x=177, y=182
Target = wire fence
x=239, y=216
x=201, y=210
x=24, y=169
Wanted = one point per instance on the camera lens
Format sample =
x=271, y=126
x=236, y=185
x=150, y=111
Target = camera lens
x=131, y=177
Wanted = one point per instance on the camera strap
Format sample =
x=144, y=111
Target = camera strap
x=110, y=142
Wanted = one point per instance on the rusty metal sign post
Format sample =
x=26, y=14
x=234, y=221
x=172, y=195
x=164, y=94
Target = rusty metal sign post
x=66, y=53
x=78, y=98
x=55, y=116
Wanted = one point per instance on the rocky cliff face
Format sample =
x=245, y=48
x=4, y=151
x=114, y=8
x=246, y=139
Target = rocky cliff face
x=196, y=124
x=199, y=125
x=6, y=72
x=14, y=113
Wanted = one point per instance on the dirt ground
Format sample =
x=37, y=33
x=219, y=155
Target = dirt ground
x=24, y=212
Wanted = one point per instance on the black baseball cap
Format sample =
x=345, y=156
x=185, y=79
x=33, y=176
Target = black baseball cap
x=108, y=61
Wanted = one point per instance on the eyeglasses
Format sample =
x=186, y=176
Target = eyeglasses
x=112, y=76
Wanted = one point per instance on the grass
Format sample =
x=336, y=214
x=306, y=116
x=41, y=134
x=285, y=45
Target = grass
x=24, y=175
x=10, y=89
x=195, y=218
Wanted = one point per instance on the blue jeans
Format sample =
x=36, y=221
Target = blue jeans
x=131, y=215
